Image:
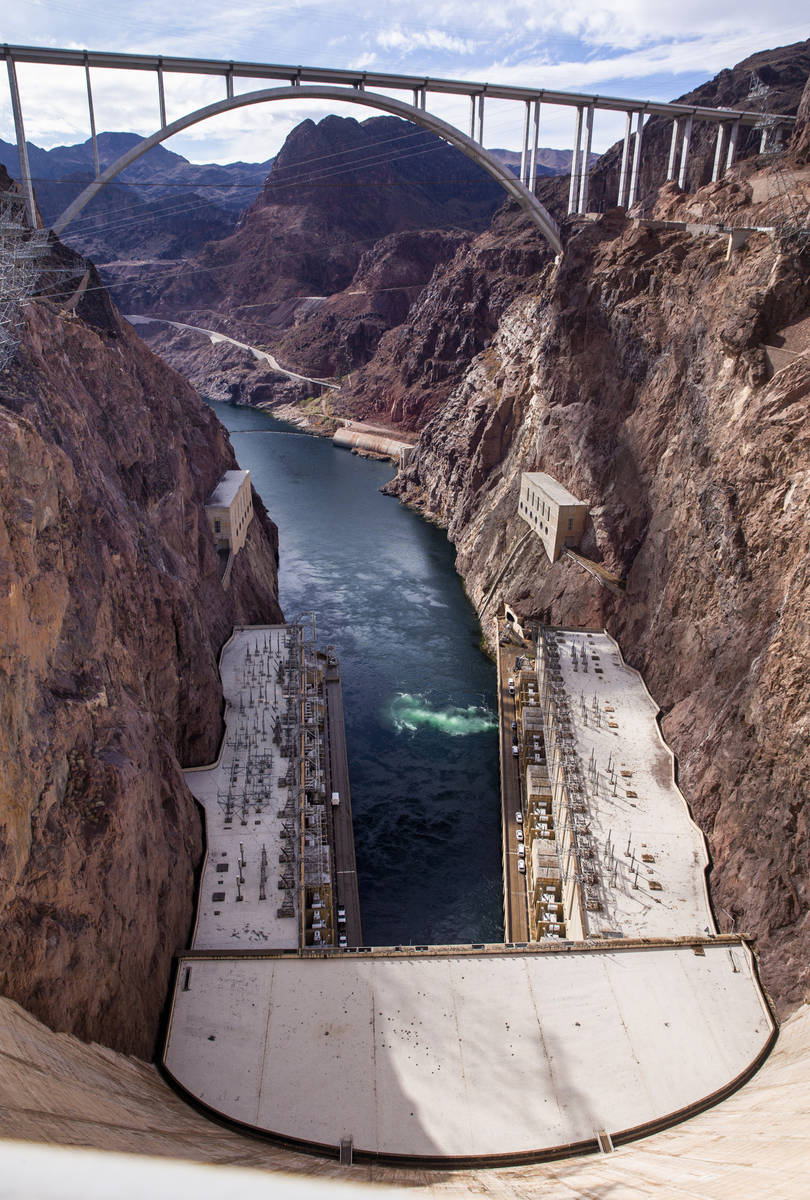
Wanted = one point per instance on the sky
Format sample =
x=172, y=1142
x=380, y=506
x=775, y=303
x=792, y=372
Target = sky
x=629, y=48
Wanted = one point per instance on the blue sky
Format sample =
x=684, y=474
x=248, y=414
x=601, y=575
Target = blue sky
x=628, y=48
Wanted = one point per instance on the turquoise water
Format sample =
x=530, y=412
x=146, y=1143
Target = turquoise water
x=421, y=716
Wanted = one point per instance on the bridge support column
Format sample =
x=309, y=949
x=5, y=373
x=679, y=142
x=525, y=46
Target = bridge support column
x=472, y=116
x=22, y=148
x=732, y=144
x=92, y=119
x=687, y=138
x=631, y=199
x=622, y=197
x=673, y=150
x=535, y=141
x=480, y=138
x=524, y=154
x=718, y=151
x=585, y=165
x=574, y=184
x=763, y=141
x=161, y=97
x=229, y=83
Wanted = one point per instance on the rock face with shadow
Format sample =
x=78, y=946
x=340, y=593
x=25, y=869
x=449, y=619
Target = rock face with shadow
x=418, y=363
x=351, y=224
x=634, y=372
x=112, y=614
x=334, y=189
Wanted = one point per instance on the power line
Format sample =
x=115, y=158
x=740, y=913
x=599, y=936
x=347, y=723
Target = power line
x=324, y=178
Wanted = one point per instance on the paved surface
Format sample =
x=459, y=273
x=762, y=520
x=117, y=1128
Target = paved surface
x=214, y=336
x=516, y=917
x=239, y=897
x=456, y=1056
x=460, y=1053
x=341, y=816
x=652, y=858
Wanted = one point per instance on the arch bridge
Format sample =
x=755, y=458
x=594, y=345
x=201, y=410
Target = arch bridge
x=361, y=87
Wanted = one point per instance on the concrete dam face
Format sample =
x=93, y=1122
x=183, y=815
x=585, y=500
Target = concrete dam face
x=63, y=1101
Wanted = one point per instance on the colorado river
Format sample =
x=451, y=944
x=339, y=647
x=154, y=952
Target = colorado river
x=420, y=702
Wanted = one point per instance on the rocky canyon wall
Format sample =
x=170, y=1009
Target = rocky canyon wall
x=112, y=615
x=634, y=372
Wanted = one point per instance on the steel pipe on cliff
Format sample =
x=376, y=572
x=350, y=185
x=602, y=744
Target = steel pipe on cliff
x=377, y=443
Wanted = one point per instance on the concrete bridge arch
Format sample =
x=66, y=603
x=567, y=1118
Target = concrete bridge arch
x=356, y=95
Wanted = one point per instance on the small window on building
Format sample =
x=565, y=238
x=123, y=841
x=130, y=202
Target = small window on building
x=570, y=524
x=217, y=527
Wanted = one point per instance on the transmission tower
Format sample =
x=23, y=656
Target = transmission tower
x=793, y=221
x=21, y=252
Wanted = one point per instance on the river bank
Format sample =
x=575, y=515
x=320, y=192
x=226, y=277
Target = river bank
x=360, y=437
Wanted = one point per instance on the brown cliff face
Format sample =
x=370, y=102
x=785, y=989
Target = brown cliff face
x=418, y=363
x=351, y=222
x=334, y=189
x=328, y=337
x=634, y=373
x=112, y=616
x=800, y=143
x=342, y=332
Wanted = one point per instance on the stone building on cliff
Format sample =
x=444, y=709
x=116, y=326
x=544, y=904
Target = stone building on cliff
x=229, y=509
x=556, y=516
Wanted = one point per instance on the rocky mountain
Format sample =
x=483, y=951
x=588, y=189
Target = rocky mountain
x=548, y=161
x=112, y=615
x=322, y=321
x=160, y=207
x=418, y=363
x=335, y=189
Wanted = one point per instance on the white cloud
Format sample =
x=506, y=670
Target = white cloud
x=619, y=47
x=428, y=39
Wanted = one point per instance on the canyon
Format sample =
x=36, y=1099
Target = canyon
x=637, y=370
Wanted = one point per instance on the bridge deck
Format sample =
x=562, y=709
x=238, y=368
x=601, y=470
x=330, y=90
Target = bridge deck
x=112, y=60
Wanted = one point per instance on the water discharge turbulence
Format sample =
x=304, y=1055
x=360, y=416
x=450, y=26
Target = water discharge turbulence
x=410, y=713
